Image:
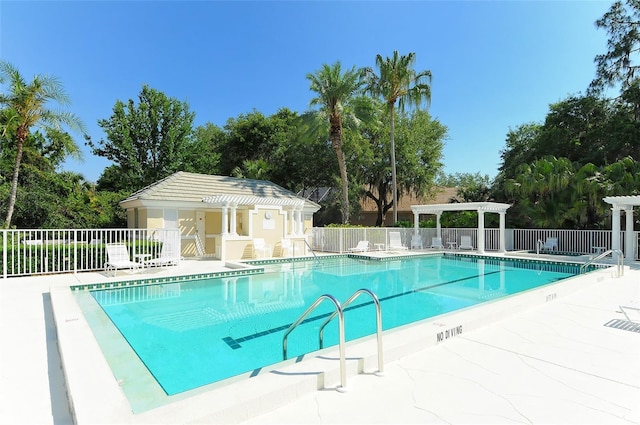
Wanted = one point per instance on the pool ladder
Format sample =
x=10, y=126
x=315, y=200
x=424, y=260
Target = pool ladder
x=340, y=313
x=619, y=258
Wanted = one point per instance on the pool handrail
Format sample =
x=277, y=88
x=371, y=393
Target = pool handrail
x=336, y=303
x=311, y=249
x=378, y=323
x=619, y=258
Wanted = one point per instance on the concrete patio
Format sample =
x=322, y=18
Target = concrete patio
x=552, y=362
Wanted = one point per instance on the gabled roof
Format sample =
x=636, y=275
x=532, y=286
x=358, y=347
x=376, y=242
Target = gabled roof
x=184, y=187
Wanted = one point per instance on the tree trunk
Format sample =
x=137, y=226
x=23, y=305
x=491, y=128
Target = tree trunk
x=393, y=168
x=21, y=136
x=336, y=142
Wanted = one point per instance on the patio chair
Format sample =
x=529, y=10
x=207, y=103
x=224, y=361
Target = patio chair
x=550, y=244
x=362, y=246
x=118, y=258
x=465, y=242
x=169, y=256
x=286, y=247
x=436, y=243
x=260, y=247
x=395, y=242
x=631, y=312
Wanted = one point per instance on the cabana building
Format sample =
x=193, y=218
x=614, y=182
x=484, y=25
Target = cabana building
x=224, y=217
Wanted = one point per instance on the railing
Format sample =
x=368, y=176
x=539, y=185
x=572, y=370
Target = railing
x=310, y=249
x=619, y=261
x=338, y=239
x=577, y=241
x=378, y=323
x=336, y=303
x=340, y=313
x=34, y=252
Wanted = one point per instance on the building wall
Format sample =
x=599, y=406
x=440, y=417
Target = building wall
x=150, y=218
x=251, y=223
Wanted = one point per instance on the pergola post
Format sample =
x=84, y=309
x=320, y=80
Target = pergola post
x=503, y=242
x=628, y=233
x=480, y=231
x=618, y=203
x=615, y=227
x=438, y=227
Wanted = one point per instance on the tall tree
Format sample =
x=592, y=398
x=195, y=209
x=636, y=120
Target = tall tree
x=147, y=141
x=616, y=66
x=28, y=106
x=419, y=146
x=398, y=82
x=335, y=90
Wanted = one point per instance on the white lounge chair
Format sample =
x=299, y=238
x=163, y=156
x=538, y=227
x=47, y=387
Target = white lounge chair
x=286, y=247
x=631, y=312
x=395, y=242
x=465, y=242
x=260, y=247
x=169, y=256
x=118, y=258
x=550, y=244
x=436, y=243
x=362, y=246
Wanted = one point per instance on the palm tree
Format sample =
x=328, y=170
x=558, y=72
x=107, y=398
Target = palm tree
x=398, y=83
x=28, y=103
x=335, y=90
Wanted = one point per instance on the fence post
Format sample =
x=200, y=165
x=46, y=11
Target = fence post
x=4, y=253
x=75, y=251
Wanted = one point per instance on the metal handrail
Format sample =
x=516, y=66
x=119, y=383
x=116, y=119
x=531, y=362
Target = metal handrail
x=311, y=249
x=539, y=244
x=620, y=261
x=336, y=303
x=378, y=323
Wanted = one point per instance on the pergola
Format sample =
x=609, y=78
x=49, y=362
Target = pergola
x=229, y=204
x=620, y=203
x=480, y=207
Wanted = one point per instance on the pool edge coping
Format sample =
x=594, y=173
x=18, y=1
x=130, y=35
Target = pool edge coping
x=106, y=402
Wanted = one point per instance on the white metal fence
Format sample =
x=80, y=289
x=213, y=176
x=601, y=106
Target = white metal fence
x=338, y=239
x=32, y=252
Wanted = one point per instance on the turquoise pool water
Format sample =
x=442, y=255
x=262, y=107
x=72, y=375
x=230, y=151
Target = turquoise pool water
x=196, y=332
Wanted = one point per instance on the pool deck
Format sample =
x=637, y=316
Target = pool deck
x=525, y=362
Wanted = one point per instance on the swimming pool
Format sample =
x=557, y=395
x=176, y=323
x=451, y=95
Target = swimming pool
x=191, y=333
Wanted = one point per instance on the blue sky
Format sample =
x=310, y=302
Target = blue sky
x=495, y=64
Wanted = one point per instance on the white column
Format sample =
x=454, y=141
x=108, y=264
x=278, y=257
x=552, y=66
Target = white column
x=438, y=228
x=628, y=233
x=503, y=242
x=615, y=227
x=416, y=240
x=480, y=232
x=299, y=222
x=233, y=219
x=292, y=223
x=225, y=220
